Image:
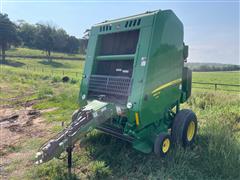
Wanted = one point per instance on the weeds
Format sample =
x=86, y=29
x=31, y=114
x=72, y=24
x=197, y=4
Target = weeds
x=56, y=79
x=215, y=154
x=45, y=92
x=73, y=81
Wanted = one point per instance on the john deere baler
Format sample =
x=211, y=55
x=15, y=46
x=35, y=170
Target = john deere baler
x=134, y=73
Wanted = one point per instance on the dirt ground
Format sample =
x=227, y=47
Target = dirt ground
x=17, y=126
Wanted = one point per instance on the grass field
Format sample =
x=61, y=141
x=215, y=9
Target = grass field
x=36, y=52
x=215, y=154
x=225, y=77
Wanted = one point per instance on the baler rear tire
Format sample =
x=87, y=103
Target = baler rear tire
x=162, y=144
x=184, y=128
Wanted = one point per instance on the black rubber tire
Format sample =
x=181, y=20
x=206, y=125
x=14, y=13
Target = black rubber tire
x=158, y=144
x=180, y=126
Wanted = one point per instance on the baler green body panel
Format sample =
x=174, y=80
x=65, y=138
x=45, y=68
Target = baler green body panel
x=164, y=65
x=145, y=74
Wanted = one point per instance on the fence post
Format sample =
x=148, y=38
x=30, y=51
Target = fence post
x=76, y=74
x=63, y=72
x=42, y=69
x=215, y=87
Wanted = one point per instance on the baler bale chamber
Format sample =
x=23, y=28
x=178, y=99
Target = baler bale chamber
x=137, y=63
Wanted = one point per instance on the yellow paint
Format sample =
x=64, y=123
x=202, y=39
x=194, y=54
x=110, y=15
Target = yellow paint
x=166, y=145
x=156, y=94
x=137, y=119
x=191, y=130
x=158, y=89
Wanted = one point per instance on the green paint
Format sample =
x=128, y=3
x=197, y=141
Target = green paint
x=158, y=64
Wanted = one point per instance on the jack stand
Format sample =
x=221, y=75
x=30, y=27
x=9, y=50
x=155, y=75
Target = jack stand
x=69, y=160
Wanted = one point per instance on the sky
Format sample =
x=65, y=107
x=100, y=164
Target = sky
x=211, y=27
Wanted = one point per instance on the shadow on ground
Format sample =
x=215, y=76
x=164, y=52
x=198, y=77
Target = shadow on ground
x=12, y=63
x=53, y=64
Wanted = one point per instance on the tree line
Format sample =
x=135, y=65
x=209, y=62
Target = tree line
x=209, y=68
x=41, y=36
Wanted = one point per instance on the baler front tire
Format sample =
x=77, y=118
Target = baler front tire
x=162, y=144
x=184, y=128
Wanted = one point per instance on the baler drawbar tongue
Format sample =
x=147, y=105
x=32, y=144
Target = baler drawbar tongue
x=83, y=120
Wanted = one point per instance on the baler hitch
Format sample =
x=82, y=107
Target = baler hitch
x=84, y=120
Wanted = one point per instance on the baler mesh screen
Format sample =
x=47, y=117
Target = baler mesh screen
x=119, y=43
x=111, y=87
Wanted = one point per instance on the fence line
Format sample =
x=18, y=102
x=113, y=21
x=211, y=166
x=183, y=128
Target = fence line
x=51, y=71
x=218, y=84
x=63, y=72
x=78, y=74
x=46, y=57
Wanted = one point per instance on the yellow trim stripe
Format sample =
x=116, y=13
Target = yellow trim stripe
x=157, y=93
x=177, y=81
x=137, y=119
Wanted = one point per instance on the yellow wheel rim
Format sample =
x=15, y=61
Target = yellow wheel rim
x=190, y=131
x=166, y=145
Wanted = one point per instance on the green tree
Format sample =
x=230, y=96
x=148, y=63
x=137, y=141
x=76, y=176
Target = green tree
x=27, y=33
x=83, y=46
x=72, y=45
x=8, y=34
x=45, y=35
x=60, y=40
